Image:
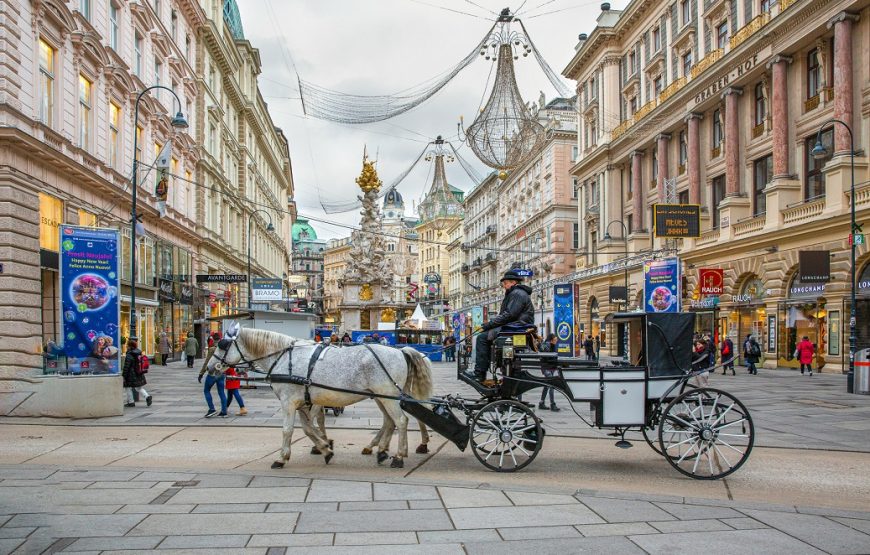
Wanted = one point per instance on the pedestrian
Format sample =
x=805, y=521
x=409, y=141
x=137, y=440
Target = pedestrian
x=164, y=347
x=727, y=351
x=191, y=347
x=548, y=346
x=211, y=381
x=700, y=362
x=805, y=352
x=210, y=343
x=345, y=339
x=597, y=346
x=711, y=350
x=233, y=384
x=134, y=374
x=589, y=347
x=751, y=353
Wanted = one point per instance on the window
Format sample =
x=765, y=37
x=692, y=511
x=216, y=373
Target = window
x=765, y=6
x=139, y=143
x=593, y=88
x=158, y=69
x=762, y=174
x=815, y=183
x=658, y=85
x=87, y=219
x=629, y=223
x=722, y=35
x=137, y=47
x=113, y=26
x=683, y=197
x=657, y=39
x=212, y=133
x=174, y=26
x=85, y=8
x=632, y=63
x=813, y=73
x=655, y=165
x=632, y=104
x=114, y=133
x=187, y=48
x=684, y=10
x=50, y=217
x=46, y=83
x=760, y=109
x=576, y=237
x=575, y=151
x=84, y=112
x=684, y=148
x=574, y=186
x=718, y=195
x=687, y=63
x=157, y=8
x=717, y=129
x=593, y=134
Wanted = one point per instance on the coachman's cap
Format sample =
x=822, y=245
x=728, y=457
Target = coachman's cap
x=513, y=275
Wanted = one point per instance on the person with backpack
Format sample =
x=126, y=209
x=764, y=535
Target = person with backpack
x=751, y=353
x=805, y=352
x=133, y=373
x=727, y=352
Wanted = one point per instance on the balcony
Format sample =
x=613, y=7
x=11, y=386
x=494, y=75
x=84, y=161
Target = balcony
x=812, y=103
x=645, y=109
x=620, y=129
x=491, y=229
x=709, y=237
x=465, y=269
x=751, y=225
x=672, y=89
x=803, y=212
x=715, y=152
x=705, y=63
x=749, y=29
x=758, y=130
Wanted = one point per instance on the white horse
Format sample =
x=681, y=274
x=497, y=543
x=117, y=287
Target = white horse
x=377, y=370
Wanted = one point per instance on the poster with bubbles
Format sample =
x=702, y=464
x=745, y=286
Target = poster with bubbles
x=89, y=299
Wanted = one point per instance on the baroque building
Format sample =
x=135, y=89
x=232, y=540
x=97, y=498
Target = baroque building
x=308, y=264
x=718, y=104
x=335, y=259
x=479, y=267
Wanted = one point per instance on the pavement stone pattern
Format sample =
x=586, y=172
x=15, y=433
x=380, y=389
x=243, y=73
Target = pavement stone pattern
x=55, y=510
x=788, y=409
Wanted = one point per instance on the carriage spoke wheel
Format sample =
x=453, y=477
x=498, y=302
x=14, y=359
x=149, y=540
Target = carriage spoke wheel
x=506, y=436
x=706, y=433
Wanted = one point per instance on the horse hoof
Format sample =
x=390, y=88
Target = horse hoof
x=331, y=442
x=315, y=451
x=397, y=463
x=382, y=456
x=367, y=451
x=328, y=457
x=277, y=464
x=422, y=449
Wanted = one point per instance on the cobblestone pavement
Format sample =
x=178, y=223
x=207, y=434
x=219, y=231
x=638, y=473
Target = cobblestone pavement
x=120, y=510
x=789, y=409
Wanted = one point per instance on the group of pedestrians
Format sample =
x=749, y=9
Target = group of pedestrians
x=228, y=385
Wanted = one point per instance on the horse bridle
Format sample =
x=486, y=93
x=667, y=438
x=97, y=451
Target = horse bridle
x=245, y=362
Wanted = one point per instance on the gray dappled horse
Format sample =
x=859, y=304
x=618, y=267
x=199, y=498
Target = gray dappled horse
x=352, y=369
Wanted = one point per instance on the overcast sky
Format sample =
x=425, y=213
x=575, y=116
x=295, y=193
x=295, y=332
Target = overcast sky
x=380, y=47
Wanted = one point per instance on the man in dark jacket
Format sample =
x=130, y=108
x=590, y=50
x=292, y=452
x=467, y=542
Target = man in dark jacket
x=516, y=309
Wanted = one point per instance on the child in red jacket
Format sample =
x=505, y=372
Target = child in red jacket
x=233, y=384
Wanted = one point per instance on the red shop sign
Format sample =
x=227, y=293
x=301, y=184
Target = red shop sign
x=712, y=281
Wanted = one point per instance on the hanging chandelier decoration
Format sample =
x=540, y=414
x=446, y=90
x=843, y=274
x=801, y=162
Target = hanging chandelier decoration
x=440, y=207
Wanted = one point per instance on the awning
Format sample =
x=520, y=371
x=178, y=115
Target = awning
x=139, y=301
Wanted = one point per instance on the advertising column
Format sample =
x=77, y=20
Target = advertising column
x=89, y=299
x=563, y=317
x=661, y=285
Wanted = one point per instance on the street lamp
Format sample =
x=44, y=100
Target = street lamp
x=607, y=237
x=269, y=227
x=819, y=151
x=178, y=122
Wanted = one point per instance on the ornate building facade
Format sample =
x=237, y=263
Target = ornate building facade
x=335, y=259
x=719, y=104
x=400, y=237
x=308, y=252
x=480, y=248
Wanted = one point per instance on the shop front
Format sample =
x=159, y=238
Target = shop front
x=804, y=314
x=862, y=316
x=707, y=320
x=747, y=316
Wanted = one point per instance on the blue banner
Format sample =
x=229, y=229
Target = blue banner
x=661, y=285
x=476, y=316
x=563, y=316
x=89, y=299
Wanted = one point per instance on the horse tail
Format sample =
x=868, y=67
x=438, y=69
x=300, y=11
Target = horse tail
x=419, y=384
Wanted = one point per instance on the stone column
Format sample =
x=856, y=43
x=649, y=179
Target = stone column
x=693, y=122
x=663, y=141
x=842, y=24
x=637, y=189
x=731, y=95
x=779, y=110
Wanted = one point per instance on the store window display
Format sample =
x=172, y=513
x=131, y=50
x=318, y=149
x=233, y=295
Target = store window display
x=803, y=313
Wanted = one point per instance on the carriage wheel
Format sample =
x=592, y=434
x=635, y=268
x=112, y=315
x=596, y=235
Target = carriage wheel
x=706, y=433
x=650, y=437
x=506, y=436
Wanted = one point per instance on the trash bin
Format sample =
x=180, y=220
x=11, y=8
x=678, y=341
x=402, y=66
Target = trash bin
x=862, y=372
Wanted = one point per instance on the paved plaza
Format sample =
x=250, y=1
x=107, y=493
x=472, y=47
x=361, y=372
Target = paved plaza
x=164, y=478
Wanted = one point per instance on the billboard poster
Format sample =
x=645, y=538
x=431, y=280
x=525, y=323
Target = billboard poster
x=266, y=289
x=661, y=279
x=563, y=317
x=89, y=299
x=457, y=325
x=476, y=317
x=578, y=322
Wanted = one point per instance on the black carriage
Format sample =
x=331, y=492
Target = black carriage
x=703, y=432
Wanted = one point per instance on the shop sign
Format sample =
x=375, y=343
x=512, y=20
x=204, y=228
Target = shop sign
x=221, y=278
x=799, y=290
x=677, y=220
x=712, y=281
x=815, y=266
x=89, y=299
x=661, y=285
x=733, y=74
x=186, y=294
x=752, y=291
x=618, y=294
x=771, y=333
x=432, y=277
x=563, y=316
x=709, y=302
x=166, y=291
x=523, y=272
x=266, y=289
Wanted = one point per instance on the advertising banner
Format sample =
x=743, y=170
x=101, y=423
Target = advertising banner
x=661, y=285
x=266, y=289
x=563, y=316
x=89, y=299
x=457, y=326
x=677, y=220
x=476, y=317
x=815, y=266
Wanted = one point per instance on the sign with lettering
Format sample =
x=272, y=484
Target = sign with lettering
x=618, y=294
x=266, y=289
x=677, y=220
x=728, y=76
x=753, y=290
x=563, y=315
x=711, y=281
x=221, y=278
x=709, y=302
x=661, y=285
x=815, y=266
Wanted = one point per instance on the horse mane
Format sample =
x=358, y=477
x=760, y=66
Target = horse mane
x=260, y=343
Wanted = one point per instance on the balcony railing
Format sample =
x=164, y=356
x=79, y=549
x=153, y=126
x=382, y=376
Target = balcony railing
x=620, y=129
x=706, y=62
x=672, y=89
x=749, y=29
x=784, y=4
x=862, y=195
x=811, y=103
x=751, y=225
x=803, y=211
x=758, y=130
x=645, y=109
x=715, y=152
x=708, y=237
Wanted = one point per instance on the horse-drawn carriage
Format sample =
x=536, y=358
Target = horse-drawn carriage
x=703, y=432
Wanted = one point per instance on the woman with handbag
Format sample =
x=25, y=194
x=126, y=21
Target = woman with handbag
x=134, y=374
